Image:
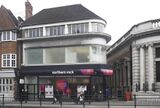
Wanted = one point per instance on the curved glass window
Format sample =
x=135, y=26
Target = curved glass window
x=97, y=27
x=66, y=55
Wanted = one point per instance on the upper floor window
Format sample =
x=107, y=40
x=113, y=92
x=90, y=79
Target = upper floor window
x=34, y=32
x=158, y=52
x=98, y=27
x=55, y=30
x=8, y=36
x=78, y=28
x=8, y=60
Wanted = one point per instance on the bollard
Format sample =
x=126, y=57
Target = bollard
x=40, y=100
x=135, y=101
x=108, y=101
x=3, y=101
x=60, y=102
x=21, y=99
x=83, y=104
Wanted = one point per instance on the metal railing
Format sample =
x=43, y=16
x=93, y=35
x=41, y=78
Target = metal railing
x=100, y=101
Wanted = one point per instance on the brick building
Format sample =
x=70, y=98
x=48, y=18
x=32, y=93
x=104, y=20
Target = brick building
x=8, y=52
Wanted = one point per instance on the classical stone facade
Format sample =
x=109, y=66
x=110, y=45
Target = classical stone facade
x=139, y=47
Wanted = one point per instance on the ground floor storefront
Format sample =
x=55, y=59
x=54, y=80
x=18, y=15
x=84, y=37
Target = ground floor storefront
x=69, y=81
x=7, y=83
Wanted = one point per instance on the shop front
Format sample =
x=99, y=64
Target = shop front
x=70, y=81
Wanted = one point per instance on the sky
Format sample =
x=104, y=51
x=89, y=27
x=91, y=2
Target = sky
x=120, y=15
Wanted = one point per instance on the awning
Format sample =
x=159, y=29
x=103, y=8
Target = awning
x=7, y=73
x=87, y=71
x=107, y=71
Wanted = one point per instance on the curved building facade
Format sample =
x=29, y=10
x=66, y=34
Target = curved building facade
x=64, y=49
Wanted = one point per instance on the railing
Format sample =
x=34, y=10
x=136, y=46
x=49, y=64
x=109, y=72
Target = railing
x=88, y=101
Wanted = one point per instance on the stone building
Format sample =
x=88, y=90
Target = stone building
x=135, y=58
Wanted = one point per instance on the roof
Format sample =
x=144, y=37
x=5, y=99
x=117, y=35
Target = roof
x=7, y=19
x=61, y=14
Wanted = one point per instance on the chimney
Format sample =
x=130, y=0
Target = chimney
x=28, y=9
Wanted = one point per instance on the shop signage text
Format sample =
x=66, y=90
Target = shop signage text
x=63, y=72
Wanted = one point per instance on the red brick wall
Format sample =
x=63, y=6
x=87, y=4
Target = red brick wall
x=7, y=47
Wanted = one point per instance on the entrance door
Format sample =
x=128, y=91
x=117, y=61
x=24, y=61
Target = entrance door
x=31, y=89
x=97, y=88
x=158, y=71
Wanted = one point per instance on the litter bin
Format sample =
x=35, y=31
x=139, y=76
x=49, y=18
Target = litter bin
x=128, y=96
x=120, y=95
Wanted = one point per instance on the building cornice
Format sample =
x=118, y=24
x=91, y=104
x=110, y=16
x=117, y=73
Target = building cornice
x=141, y=30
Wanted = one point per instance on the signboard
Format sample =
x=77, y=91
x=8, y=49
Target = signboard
x=48, y=91
x=21, y=81
x=62, y=72
x=107, y=71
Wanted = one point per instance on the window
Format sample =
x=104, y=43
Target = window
x=8, y=36
x=78, y=28
x=158, y=52
x=34, y=56
x=55, y=55
x=6, y=86
x=55, y=30
x=98, y=27
x=35, y=32
x=8, y=60
x=66, y=55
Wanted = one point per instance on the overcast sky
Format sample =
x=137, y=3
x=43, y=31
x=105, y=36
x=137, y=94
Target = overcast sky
x=120, y=15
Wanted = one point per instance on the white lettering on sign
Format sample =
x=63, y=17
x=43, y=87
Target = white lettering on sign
x=62, y=72
x=156, y=24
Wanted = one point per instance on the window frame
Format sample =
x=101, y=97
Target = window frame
x=9, y=60
x=33, y=32
x=78, y=28
x=8, y=36
x=6, y=87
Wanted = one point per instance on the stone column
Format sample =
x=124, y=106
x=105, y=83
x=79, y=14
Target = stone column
x=135, y=66
x=150, y=67
x=142, y=68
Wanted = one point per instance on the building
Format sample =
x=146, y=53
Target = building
x=135, y=60
x=64, y=49
x=8, y=52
